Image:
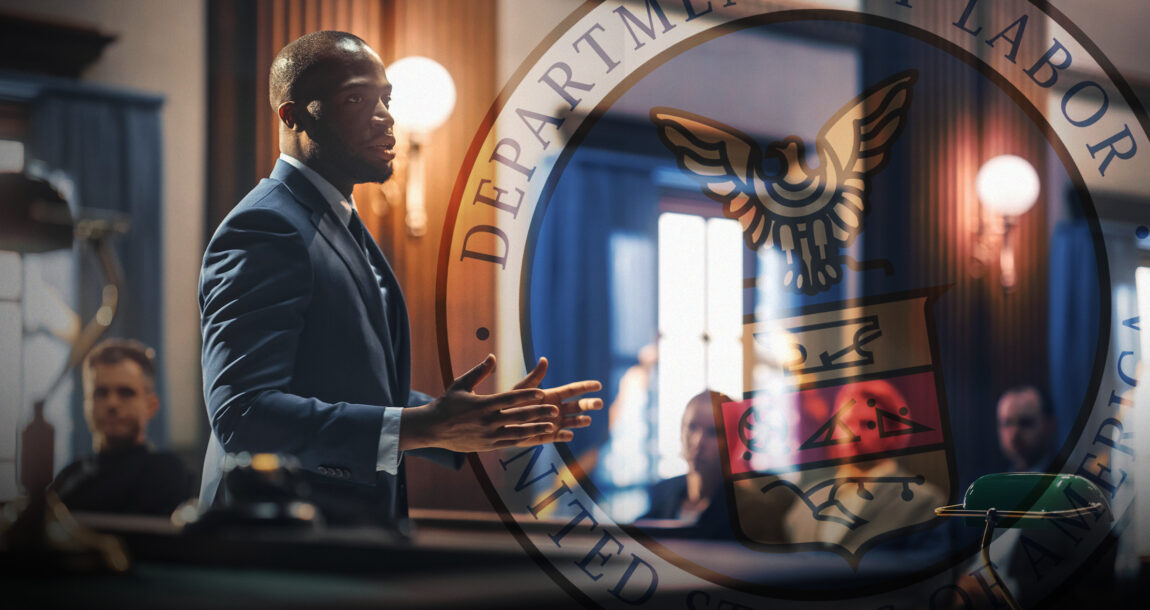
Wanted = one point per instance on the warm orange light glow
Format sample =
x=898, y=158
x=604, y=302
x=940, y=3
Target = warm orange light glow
x=423, y=94
x=1007, y=185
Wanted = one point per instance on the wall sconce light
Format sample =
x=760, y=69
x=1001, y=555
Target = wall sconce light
x=1007, y=187
x=422, y=98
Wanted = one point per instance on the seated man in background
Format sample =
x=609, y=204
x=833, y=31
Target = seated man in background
x=1026, y=426
x=125, y=475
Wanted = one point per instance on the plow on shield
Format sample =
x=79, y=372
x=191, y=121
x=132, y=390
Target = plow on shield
x=852, y=448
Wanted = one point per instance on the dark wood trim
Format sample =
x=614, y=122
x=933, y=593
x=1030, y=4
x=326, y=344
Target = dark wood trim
x=49, y=46
x=232, y=79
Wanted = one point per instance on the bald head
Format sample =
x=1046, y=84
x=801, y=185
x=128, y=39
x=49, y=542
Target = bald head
x=331, y=94
x=294, y=69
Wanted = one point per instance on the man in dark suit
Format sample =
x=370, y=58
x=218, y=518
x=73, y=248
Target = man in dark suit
x=125, y=475
x=306, y=346
x=1026, y=426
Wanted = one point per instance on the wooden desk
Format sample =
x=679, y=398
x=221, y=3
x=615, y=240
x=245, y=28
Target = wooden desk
x=447, y=563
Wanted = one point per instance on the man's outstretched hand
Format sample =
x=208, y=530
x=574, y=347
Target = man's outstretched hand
x=463, y=421
x=571, y=413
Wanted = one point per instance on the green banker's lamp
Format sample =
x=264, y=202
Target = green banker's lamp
x=1023, y=500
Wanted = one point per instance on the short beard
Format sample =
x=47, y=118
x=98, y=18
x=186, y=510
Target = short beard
x=362, y=172
x=358, y=170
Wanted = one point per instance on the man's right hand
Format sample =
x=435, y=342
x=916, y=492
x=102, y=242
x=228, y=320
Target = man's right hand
x=463, y=421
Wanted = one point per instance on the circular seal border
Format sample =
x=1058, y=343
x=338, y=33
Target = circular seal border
x=792, y=16
x=1103, y=359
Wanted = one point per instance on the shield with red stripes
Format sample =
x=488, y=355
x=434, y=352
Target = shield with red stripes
x=843, y=441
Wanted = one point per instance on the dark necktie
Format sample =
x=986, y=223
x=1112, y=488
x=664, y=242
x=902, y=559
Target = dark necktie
x=362, y=237
x=359, y=232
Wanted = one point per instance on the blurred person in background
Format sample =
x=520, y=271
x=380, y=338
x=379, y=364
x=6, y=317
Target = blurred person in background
x=126, y=474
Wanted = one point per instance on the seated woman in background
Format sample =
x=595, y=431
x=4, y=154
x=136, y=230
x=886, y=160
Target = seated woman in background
x=696, y=500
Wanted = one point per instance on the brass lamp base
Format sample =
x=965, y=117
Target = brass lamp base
x=38, y=536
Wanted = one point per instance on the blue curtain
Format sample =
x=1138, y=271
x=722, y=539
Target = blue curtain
x=109, y=143
x=1073, y=319
x=604, y=204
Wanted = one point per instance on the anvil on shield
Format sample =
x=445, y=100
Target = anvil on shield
x=848, y=444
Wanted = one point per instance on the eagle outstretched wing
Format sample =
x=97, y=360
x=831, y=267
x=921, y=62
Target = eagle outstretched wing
x=807, y=213
x=726, y=162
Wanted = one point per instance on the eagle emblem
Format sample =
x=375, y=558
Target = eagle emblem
x=809, y=214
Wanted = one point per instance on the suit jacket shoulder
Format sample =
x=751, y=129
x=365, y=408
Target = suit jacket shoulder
x=302, y=346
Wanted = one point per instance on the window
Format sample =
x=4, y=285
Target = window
x=13, y=129
x=709, y=285
x=1141, y=414
x=11, y=156
x=11, y=370
x=700, y=320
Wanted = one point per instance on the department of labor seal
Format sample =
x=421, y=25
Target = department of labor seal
x=780, y=202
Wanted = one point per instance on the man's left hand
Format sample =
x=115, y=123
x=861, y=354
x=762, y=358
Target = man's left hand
x=571, y=412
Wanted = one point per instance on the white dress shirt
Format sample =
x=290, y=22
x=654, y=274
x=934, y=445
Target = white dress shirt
x=388, y=457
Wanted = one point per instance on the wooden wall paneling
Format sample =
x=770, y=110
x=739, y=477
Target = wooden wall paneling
x=461, y=36
x=270, y=31
x=1020, y=317
x=232, y=68
x=970, y=120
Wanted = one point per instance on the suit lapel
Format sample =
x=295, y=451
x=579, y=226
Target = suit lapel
x=348, y=251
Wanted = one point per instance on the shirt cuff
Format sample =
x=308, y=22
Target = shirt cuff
x=388, y=457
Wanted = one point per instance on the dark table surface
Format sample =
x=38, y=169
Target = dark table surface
x=449, y=561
